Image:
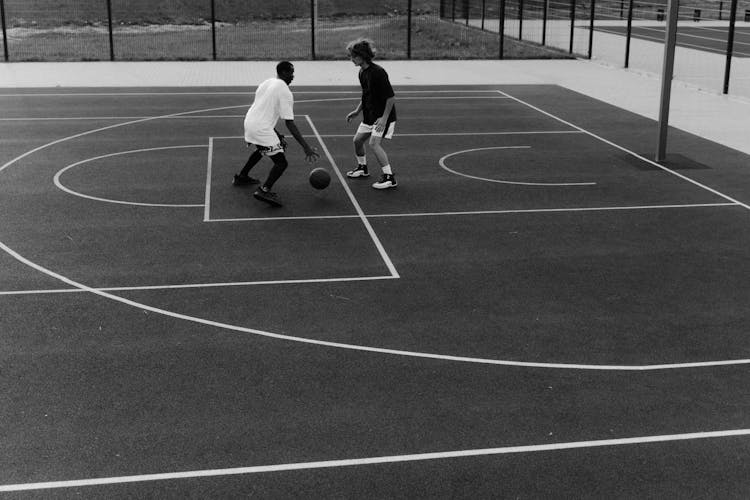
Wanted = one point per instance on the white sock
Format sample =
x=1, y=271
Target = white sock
x=362, y=160
x=387, y=169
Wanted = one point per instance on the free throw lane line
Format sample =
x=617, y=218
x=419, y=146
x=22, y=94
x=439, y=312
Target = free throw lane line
x=360, y=212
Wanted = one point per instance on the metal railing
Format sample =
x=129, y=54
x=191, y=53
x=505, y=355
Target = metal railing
x=223, y=29
x=608, y=29
x=620, y=31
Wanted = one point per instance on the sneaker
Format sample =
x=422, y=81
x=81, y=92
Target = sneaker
x=267, y=196
x=244, y=180
x=360, y=171
x=385, y=182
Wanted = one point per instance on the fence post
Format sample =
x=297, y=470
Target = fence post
x=483, y=12
x=5, y=33
x=591, y=27
x=572, y=23
x=730, y=44
x=408, y=30
x=520, y=19
x=109, y=27
x=213, y=28
x=628, y=33
x=501, y=26
x=544, y=22
x=312, y=28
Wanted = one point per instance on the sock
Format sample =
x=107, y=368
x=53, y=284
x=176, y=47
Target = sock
x=387, y=169
x=362, y=160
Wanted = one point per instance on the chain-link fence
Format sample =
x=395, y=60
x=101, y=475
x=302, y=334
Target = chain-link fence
x=64, y=30
x=713, y=37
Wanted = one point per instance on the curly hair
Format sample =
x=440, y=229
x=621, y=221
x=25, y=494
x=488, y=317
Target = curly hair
x=284, y=66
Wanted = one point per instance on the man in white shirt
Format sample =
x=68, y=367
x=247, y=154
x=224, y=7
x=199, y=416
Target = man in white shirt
x=273, y=101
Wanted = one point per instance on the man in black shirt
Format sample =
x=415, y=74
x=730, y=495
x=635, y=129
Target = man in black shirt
x=378, y=113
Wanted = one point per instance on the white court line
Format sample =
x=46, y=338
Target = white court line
x=209, y=167
x=61, y=186
x=442, y=164
x=99, y=118
x=240, y=93
x=202, y=285
x=683, y=34
x=194, y=117
x=363, y=348
x=361, y=278
x=621, y=148
x=486, y=212
x=478, y=212
x=552, y=210
x=360, y=212
x=354, y=347
x=686, y=45
x=438, y=134
x=392, y=459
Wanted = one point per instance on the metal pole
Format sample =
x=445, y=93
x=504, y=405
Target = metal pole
x=628, y=33
x=5, y=33
x=670, y=39
x=483, y=11
x=572, y=23
x=501, y=26
x=520, y=19
x=544, y=22
x=213, y=27
x=111, y=38
x=730, y=44
x=591, y=27
x=408, y=31
x=312, y=28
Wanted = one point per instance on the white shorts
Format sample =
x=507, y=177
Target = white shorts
x=269, y=150
x=387, y=133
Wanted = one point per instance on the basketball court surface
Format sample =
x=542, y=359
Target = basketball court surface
x=710, y=38
x=539, y=309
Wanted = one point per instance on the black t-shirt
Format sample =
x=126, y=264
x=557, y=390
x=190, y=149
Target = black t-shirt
x=376, y=89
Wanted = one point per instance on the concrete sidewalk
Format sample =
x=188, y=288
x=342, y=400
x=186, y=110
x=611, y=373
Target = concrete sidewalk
x=719, y=118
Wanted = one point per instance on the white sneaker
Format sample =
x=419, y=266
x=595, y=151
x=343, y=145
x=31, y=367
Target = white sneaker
x=385, y=182
x=360, y=171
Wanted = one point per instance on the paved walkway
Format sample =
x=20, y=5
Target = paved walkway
x=722, y=119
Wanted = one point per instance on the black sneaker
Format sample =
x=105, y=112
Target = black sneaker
x=244, y=180
x=267, y=196
x=360, y=171
x=385, y=182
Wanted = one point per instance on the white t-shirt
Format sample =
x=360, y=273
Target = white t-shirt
x=273, y=100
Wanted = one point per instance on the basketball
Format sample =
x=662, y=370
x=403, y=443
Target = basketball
x=320, y=178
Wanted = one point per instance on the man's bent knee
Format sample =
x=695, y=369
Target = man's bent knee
x=280, y=160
